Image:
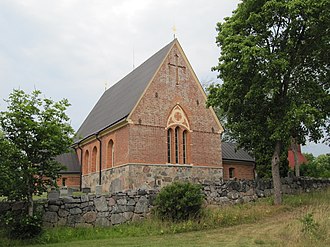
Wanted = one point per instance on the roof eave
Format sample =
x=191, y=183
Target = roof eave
x=112, y=125
x=238, y=160
x=69, y=172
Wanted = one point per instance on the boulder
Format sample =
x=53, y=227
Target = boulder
x=89, y=217
x=101, y=204
x=117, y=219
x=74, y=211
x=142, y=205
x=50, y=217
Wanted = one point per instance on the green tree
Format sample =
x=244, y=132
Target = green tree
x=274, y=64
x=8, y=179
x=35, y=130
x=309, y=157
x=317, y=167
x=323, y=165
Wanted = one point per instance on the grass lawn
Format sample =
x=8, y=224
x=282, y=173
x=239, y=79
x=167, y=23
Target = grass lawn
x=303, y=220
x=281, y=230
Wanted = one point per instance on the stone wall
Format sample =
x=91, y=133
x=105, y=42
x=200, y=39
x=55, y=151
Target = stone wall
x=117, y=208
x=91, y=210
x=241, y=191
x=150, y=177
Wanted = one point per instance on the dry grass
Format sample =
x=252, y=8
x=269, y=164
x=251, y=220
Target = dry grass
x=308, y=226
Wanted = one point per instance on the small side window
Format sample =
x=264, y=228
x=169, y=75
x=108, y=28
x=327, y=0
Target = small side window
x=231, y=172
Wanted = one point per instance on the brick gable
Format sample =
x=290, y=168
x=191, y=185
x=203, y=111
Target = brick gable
x=174, y=84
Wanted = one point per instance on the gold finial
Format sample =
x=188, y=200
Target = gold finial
x=174, y=31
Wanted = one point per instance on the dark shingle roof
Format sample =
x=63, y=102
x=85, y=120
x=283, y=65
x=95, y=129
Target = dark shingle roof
x=230, y=152
x=118, y=101
x=70, y=160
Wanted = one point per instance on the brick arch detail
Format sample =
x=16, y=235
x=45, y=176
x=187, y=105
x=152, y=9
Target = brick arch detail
x=178, y=117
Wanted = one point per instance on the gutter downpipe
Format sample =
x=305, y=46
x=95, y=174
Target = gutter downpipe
x=81, y=164
x=100, y=175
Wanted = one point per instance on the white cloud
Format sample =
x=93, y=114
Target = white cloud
x=71, y=48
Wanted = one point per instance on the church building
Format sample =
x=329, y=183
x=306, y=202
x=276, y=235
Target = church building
x=151, y=128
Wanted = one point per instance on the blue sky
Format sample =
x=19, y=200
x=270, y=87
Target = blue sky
x=74, y=48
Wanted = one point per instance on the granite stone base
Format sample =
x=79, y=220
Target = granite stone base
x=138, y=176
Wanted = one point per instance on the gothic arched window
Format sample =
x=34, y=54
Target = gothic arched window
x=178, y=129
x=94, y=155
x=177, y=145
x=169, y=145
x=184, y=147
x=86, y=163
x=110, y=154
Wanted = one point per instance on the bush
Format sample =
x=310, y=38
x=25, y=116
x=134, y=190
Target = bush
x=179, y=201
x=22, y=226
x=310, y=227
x=318, y=167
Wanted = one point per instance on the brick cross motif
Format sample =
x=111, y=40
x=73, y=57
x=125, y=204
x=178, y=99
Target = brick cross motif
x=177, y=116
x=177, y=67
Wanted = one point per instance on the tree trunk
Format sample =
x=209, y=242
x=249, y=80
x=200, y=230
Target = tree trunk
x=295, y=155
x=29, y=197
x=276, y=174
x=30, y=205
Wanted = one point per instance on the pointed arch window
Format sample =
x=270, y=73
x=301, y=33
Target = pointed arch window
x=178, y=136
x=113, y=155
x=86, y=163
x=169, y=145
x=110, y=154
x=184, y=146
x=177, y=145
x=94, y=155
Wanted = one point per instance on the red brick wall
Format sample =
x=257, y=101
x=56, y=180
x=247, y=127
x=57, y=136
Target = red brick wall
x=301, y=158
x=120, y=142
x=71, y=180
x=242, y=170
x=148, y=134
x=147, y=144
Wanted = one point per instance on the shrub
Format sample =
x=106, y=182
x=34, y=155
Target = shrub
x=179, y=201
x=22, y=226
x=310, y=227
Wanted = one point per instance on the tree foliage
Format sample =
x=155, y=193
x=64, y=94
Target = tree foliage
x=318, y=167
x=274, y=64
x=10, y=173
x=35, y=130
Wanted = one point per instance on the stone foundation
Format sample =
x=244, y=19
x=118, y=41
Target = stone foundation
x=138, y=176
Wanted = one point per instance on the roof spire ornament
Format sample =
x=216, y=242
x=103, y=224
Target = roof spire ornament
x=174, y=31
